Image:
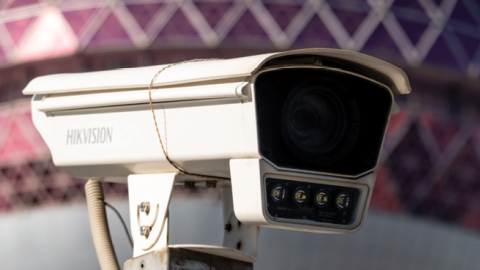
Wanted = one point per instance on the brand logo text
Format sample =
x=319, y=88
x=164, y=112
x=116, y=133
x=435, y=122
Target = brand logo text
x=89, y=135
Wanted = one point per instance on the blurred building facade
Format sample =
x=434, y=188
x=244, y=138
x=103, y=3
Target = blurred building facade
x=431, y=159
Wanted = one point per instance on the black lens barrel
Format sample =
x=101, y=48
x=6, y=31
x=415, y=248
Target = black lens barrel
x=320, y=121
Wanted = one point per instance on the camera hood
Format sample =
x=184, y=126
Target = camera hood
x=196, y=72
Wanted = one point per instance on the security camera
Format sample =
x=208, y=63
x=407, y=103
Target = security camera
x=295, y=134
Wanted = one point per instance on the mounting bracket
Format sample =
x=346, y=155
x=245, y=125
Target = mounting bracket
x=149, y=199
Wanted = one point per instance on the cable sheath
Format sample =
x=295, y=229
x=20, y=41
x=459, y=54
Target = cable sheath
x=121, y=220
x=99, y=226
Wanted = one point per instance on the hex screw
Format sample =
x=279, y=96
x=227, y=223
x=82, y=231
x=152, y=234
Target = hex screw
x=145, y=207
x=145, y=231
x=189, y=185
x=211, y=184
x=228, y=227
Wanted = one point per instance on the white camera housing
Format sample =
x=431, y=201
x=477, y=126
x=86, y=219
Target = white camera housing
x=99, y=125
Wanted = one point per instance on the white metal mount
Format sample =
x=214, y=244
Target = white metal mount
x=149, y=199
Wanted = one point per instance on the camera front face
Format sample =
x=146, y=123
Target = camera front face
x=321, y=120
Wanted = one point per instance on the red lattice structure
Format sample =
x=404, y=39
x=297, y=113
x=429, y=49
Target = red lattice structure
x=431, y=169
x=439, y=32
x=28, y=176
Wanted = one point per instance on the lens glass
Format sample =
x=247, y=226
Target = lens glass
x=321, y=198
x=300, y=196
x=320, y=121
x=316, y=119
x=342, y=201
x=279, y=193
x=304, y=120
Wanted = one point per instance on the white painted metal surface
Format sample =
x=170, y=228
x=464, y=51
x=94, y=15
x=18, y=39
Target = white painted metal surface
x=92, y=99
x=219, y=251
x=237, y=235
x=156, y=190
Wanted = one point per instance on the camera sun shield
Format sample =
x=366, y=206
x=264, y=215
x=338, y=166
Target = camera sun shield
x=321, y=120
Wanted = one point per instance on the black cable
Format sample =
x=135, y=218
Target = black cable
x=123, y=222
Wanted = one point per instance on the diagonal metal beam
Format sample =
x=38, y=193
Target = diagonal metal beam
x=370, y=23
x=229, y=19
x=159, y=20
x=130, y=25
x=456, y=48
x=409, y=52
x=198, y=21
x=333, y=24
x=91, y=27
x=6, y=42
x=438, y=16
x=440, y=167
x=301, y=19
x=269, y=25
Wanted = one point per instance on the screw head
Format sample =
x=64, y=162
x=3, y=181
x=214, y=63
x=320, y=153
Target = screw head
x=211, y=184
x=145, y=231
x=145, y=207
x=189, y=185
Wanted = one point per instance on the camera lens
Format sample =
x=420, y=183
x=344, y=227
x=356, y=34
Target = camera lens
x=320, y=122
x=300, y=196
x=304, y=120
x=322, y=198
x=342, y=201
x=316, y=119
x=279, y=193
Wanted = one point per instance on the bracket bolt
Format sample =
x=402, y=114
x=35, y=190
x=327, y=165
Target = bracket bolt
x=145, y=207
x=189, y=185
x=145, y=231
x=228, y=227
x=211, y=184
